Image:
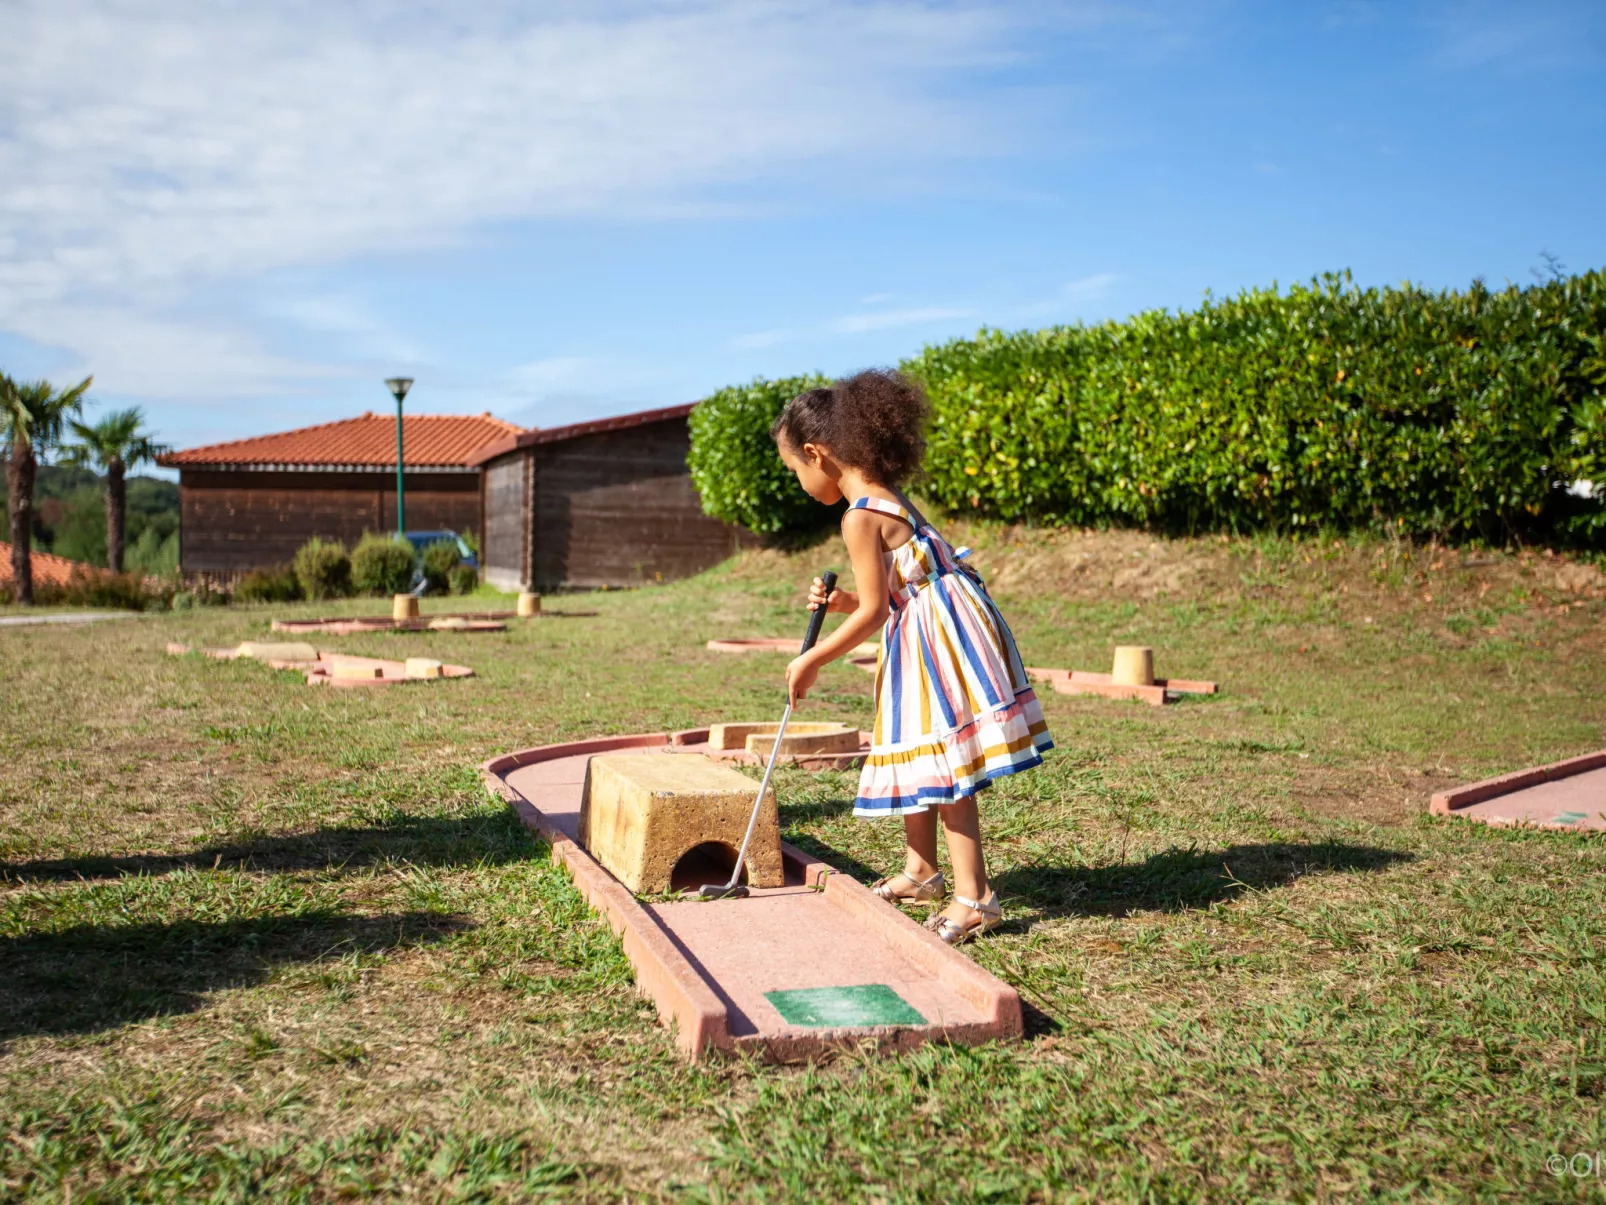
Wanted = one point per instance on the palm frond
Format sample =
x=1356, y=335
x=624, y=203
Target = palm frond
x=117, y=436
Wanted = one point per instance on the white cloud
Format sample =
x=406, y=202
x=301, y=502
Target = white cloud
x=556, y=372
x=1533, y=36
x=1089, y=288
x=149, y=149
x=760, y=339
x=853, y=324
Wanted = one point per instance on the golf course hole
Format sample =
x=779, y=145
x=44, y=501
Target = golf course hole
x=710, y=862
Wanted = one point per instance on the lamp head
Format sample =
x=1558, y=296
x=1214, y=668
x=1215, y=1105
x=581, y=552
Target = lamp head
x=399, y=386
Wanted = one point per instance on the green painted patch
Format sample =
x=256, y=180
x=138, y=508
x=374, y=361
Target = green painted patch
x=843, y=1007
x=1569, y=818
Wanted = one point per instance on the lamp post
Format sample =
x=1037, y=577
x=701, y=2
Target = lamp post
x=399, y=386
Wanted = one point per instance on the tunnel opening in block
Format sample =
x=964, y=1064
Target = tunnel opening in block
x=642, y=814
x=710, y=862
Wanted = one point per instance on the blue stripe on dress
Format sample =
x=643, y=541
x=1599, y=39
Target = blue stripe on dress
x=894, y=657
x=937, y=691
x=980, y=671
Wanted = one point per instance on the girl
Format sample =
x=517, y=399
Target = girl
x=954, y=709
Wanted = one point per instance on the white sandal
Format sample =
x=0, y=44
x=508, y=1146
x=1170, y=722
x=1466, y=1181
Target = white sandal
x=929, y=892
x=990, y=916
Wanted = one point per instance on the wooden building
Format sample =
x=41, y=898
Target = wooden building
x=605, y=503
x=251, y=503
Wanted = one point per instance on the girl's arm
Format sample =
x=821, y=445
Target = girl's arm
x=862, y=535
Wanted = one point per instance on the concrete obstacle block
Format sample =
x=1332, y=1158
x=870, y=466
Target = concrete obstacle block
x=422, y=667
x=403, y=606
x=643, y=815
x=529, y=604
x=801, y=738
x=358, y=671
x=1134, y=666
x=277, y=650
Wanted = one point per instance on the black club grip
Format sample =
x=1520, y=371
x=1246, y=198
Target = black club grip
x=817, y=616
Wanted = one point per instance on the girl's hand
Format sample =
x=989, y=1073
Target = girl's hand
x=800, y=675
x=841, y=600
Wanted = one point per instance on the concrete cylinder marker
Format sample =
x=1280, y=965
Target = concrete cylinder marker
x=529, y=604
x=1134, y=666
x=403, y=606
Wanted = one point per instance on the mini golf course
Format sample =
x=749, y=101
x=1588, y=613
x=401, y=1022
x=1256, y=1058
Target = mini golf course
x=468, y=621
x=1567, y=795
x=791, y=971
x=323, y=667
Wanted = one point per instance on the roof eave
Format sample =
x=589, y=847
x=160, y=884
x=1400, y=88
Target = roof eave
x=599, y=426
x=251, y=466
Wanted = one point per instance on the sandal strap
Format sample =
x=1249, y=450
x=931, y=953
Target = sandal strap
x=935, y=884
x=987, y=907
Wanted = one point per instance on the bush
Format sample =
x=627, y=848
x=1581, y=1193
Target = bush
x=437, y=563
x=734, y=465
x=102, y=588
x=276, y=584
x=323, y=568
x=1454, y=415
x=465, y=579
x=1469, y=415
x=382, y=564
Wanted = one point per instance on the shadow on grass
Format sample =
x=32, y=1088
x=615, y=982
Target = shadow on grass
x=1181, y=879
x=424, y=841
x=835, y=858
x=94, y=977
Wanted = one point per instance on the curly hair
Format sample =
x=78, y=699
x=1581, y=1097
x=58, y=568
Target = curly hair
x=874, y=421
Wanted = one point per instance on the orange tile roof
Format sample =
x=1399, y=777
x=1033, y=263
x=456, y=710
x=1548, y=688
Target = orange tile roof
x=48, y=569
x=368, y=441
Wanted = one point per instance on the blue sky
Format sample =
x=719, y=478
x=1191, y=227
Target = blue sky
x=242, y=216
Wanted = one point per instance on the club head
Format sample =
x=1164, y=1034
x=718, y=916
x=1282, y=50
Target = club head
x=719, y=891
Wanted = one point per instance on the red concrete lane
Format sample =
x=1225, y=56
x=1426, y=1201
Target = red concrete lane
x=708, y=965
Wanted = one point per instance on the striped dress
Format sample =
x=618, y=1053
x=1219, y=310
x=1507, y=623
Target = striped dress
x=954, y=708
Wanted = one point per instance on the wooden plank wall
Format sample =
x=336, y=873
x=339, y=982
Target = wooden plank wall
x=235, y=521
x=507, y=529
x=618, y=509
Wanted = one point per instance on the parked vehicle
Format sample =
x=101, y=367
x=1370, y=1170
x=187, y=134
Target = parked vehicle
x=421, y=540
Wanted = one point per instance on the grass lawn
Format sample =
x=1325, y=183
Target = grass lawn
x=264, y=940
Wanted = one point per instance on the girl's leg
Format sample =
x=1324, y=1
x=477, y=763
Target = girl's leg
x=920, y=833
x=962, y=823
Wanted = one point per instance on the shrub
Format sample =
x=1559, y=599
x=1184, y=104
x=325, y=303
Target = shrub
x=1455, y=415
x=1470, y=415
x=465, y=579
x=734, y=465
x=276, y=584
x=382, y=564
x=437, y=563
x=323, y=568
x=89, y=587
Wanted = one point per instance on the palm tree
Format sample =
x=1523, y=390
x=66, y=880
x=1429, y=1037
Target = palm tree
x=114, y=445
x=31, y=418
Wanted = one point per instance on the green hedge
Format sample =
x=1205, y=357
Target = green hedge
x=733, y=462
x=1457, y=415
